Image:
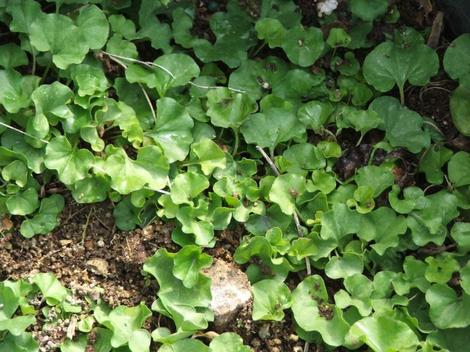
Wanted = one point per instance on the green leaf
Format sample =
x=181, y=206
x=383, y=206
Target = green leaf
x=459, y=169
x=71, y=164
x=301, y=157
x=187, y=186
x=16, y=171
x=313, y=312
x=93, y=26
x=457, y=57
x=122, y=26
x=315, y=114
x=350, y=264
x=150, y=169
x=339, y=222
x=174, y=70
x=173, y=129
x=188, y=307
x=91, y=189
x=185, y=345
x=272, y=31
x=271, y=127
x=208, y=154
x=126, y=324
x=12, y=56
x=360, y=120
x=124, y=116
x=465, y=278
x=403, y=127
x=303, y=247
x=46, y=219
x=57, y=33
x=51, y=101
x=429, y=224
x=228, y=109
x=446, y=309
x=15, y=90
x=460, y=232
x=23, y=203
x=51, y=289
x=119, y=46
x=234, y=36
x=368, y=10
x=338, y=37
x=378, y=178
x=359, y=291
x=460, y=106
x=451, y=339
x=383, y=334
x=21, y=343
x=270, y=298
x=17, y=325
x=440, y=268
x=284, y=191
x=413, y=198
x=390, y=64
x=78, y=345
x=255, y=78
x=189, y=261
x=432, y=162
x=228, y=342
x=89, y=79
x=23, y=14
x=383, y=227
x=413, y=277
x=305, y=45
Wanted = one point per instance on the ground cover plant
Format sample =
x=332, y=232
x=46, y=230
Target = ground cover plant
x=333, y=135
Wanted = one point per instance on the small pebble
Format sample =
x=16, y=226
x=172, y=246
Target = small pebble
x=263, y=332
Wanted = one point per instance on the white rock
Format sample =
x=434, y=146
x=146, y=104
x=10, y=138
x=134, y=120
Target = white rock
x=231, y=292
x=326, y=7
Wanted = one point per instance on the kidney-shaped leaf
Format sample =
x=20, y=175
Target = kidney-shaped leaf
x=313, y=312
x=71, y=164
x=390, y=64
x=383, y=334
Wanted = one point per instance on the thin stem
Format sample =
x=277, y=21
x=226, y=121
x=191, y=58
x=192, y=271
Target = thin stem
x=115, y=57
x=402, y=94
x=22, y=132
x=258, y=49
x=268, y=160
x=360, y=139
x=147, y=98
x=48, y=67
x=87, y=222
x=237, y=141
x=33, y=54
x=306, y=346
x=298, y=226
x=149, y=102
x=146, y=63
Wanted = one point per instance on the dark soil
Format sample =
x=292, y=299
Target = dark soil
x=86, y=251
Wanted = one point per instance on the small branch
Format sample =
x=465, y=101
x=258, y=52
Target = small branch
x=306, y=347
x=298, y=226
x=116, y=58
x=149, y=102
x=86, y=225
x=22, y=132
x=268, y=160
x=147, y=98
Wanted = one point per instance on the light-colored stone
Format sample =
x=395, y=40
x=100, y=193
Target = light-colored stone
x=231, y=292
x=98, y=266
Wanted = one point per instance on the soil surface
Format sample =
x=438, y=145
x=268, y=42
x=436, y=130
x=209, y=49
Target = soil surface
x=89, y=256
